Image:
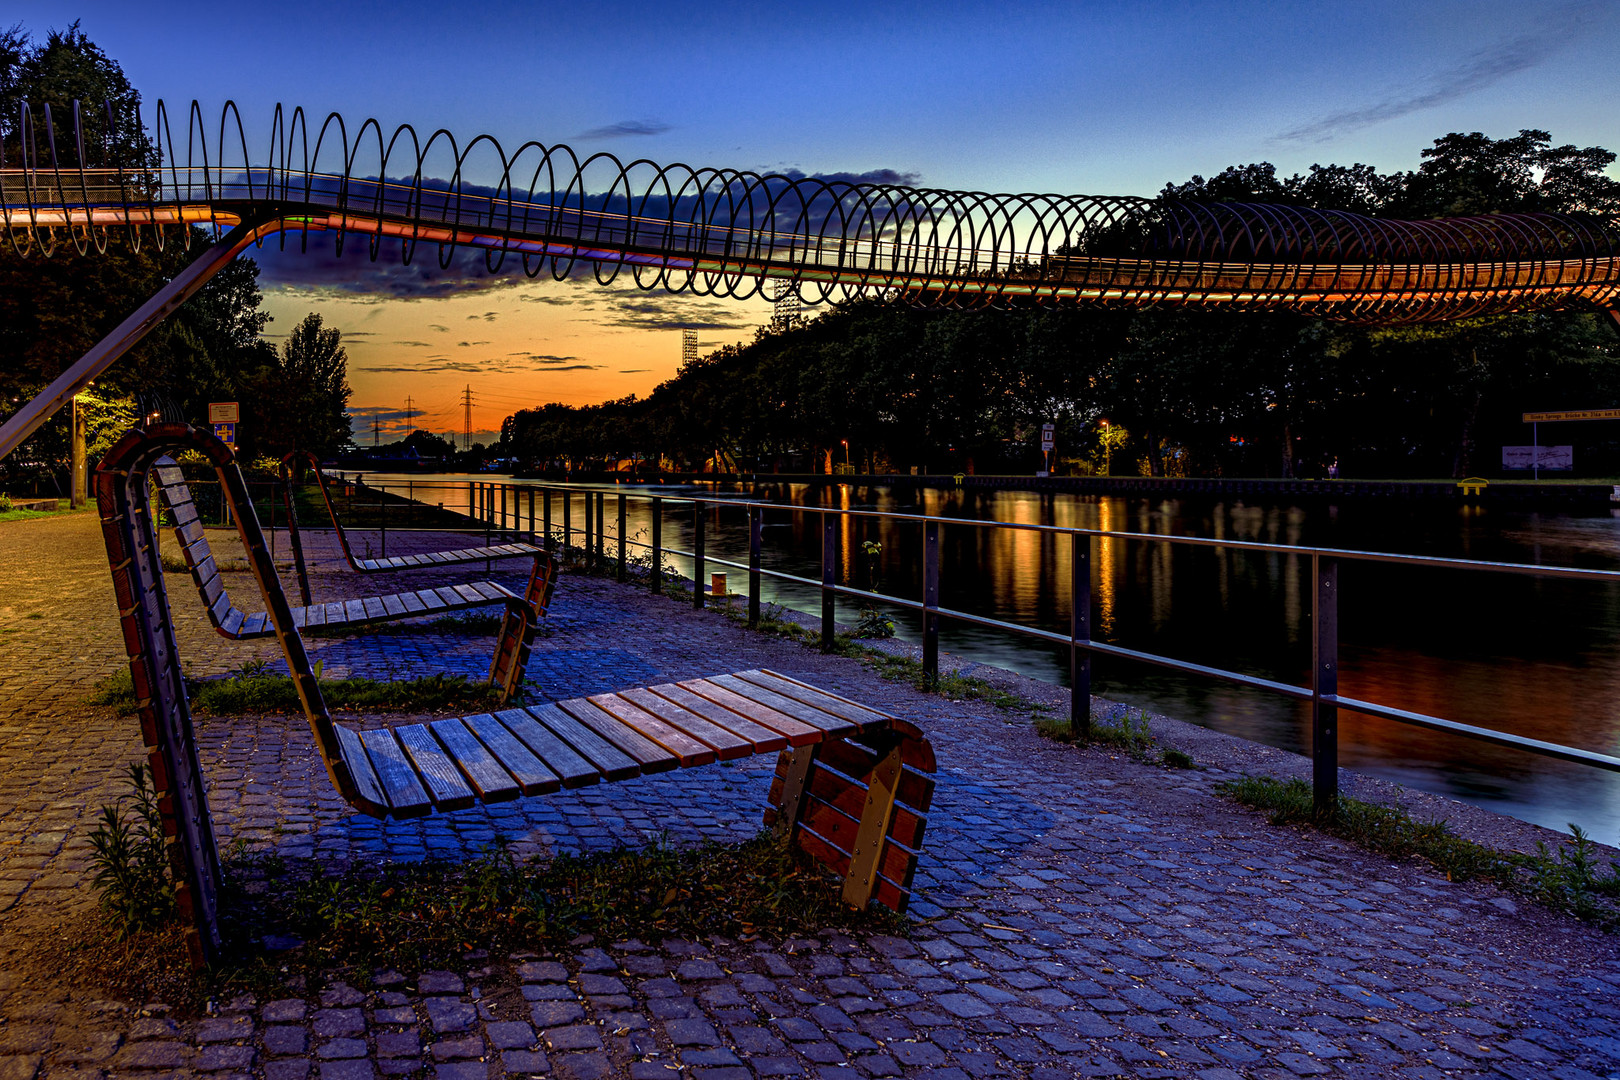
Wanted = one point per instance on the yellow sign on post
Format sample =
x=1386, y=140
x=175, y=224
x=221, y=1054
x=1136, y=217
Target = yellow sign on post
x=1571, y=414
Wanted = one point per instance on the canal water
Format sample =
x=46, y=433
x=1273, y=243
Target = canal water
x=1537, y=657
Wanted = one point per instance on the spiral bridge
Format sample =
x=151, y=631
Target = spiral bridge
x=68, y=184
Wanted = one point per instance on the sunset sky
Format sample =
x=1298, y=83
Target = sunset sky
x=1094, y=98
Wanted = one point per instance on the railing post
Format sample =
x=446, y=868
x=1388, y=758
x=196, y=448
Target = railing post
x=545, y=523
x=756, y=530
x=601, y=528
x=568, y=523
x=697, y=554
x=621, y=536
x=1324, y=683
x=931, y=601
x=531, y=515
x=382, y=522
x=829, y=571
x=1079, y=634
x=590, y=535
x=657, y=546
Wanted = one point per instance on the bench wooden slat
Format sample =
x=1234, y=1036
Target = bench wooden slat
x=469, y=594
x=231, y=623
x=477, y=764
x=373, y=607
x=439, y=774
x=256, y=625
x=784, y=727
x=810, y=695
x=687, y=750
x=448, y=598
x=758, y=712
x=531, y=774
x=613, y=763
x=849, y=798
x=726, y=742
x=367, y=564
x=406, y=796
x=412, y=602
x=809, y=714
x=314, y=615
x=573, y=770
x=916, y=789
x=648, y=755
x=354, y=611
x=354, y=756
x=393, y=606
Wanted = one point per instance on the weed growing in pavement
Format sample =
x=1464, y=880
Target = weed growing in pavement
x=253, y=689
x=427, y=913
x=130, y=860
x=1128, y=732
x=1566, y=878
x=873, y=623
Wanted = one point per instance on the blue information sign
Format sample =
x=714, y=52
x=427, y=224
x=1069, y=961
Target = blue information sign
x=226, y=433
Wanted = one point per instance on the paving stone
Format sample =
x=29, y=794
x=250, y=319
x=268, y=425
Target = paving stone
x=285, y=1039
x=449, y=1015
x=398, y=1044
x=549, y=1014
x=577, y=1037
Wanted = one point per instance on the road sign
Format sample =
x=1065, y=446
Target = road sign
x=226, y=433
x=1048, y=436
x=1551, y=458
x=224, y=412
x=1571, y=414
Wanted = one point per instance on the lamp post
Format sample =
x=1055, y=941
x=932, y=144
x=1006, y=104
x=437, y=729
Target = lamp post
x=1108, y=450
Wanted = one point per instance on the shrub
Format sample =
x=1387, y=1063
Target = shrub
x=131, y=861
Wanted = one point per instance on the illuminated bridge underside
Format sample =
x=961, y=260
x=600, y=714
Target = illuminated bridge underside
x=725, y=233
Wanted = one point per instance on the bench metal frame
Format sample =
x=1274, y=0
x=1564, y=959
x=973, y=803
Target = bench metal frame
x=852, y=789
x=289, y=465
x=518, y=624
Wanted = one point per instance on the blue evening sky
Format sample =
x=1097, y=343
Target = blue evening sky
x=1093, y=98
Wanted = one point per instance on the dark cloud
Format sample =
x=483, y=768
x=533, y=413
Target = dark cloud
x=470, y=344
x=440, y=329
x=1480, y=70
x=544, y=358
x=633, y=371
x=889, y=177
x=624, y=128
x=321, y=269
x=667, y=311
x=488, y=316
x=413, y=344
x=558, y=301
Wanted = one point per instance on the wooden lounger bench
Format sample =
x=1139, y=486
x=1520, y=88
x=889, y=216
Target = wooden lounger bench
x=517, y=627
x=852, y=785
x=376, y=566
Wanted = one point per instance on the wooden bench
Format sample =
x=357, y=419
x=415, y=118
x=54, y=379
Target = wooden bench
x=394, y=563
x=517, y=626
x=852, y=785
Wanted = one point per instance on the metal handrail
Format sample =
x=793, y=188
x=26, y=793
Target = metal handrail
x=503, y=502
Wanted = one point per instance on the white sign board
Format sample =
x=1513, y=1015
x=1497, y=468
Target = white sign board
x=1552, y=458
x=1048, y=436
x=224, y=412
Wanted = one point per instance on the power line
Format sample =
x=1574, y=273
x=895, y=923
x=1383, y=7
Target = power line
x=410, y=415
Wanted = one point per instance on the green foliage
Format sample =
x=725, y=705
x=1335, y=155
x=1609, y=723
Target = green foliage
x=1566, y=879
x=130, y=860
x=873, y=623
x=417, y=915
x=5, y=503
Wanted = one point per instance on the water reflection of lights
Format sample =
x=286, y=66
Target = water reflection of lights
x=1106, y=584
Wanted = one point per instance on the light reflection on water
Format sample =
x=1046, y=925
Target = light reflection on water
x=1537, y=657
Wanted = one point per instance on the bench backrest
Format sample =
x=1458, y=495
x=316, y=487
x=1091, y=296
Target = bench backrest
x=193, y=542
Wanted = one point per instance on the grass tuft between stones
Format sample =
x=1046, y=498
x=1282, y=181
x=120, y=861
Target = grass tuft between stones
x=254, y=690
x=1566, y=878
x=296, y=923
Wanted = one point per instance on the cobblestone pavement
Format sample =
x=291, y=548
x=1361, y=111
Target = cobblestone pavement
x=1078, y=914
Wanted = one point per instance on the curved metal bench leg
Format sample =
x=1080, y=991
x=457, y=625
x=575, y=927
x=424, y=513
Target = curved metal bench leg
x=143, y=611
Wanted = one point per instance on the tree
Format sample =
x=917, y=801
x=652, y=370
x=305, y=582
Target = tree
x=297, y=399
x=53, y=310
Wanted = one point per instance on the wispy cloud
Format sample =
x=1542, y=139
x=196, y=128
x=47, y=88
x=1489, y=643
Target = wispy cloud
x=624, y=128
x=633, y=370
x=1476, y=72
